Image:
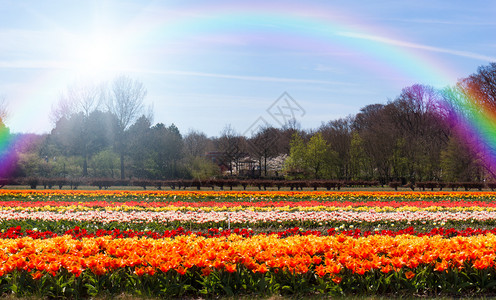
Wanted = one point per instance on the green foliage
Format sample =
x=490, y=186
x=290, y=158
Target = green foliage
x=457, y=163
x=83, y=135
x=358, y=158
x=71, y=166
x=104, y=164
x=399, y=160
x=319, y=157
x=294, y=165
x=244, y=282
x=29, y=163
x=167, y=149
x=314, y=159
x=202, y=168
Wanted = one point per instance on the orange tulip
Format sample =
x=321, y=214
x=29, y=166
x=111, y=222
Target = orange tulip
x=37, y=275
x=337, y=279
x=409, y=275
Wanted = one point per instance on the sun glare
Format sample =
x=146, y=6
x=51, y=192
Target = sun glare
x=97, y=56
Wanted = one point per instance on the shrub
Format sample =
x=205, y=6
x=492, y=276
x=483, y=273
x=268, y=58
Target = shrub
x=453, y=185
x=232, y=183
x=244, y=183
x=157, y=183
x=431, y=185
x=102, y=182
x=32, y=182
x=491, y=185
x=395, y=185
x=280, y=183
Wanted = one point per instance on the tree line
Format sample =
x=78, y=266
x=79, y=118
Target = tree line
x=105, y=131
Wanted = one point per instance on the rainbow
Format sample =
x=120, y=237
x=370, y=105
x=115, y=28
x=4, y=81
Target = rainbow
x=8, y=155
x=474, y=122
x=302, y=27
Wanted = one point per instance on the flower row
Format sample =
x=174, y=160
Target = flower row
x=249, y=217
x=377, y=206
x=80, y=195
x=79, y=233
x=332, y=256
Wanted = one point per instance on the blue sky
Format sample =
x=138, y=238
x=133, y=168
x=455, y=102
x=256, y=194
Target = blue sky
x=212, y=63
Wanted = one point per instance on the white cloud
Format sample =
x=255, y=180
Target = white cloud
x=325, y=68
x=445, y=22
x=400, y=43
x=243, y=77
x=33, y=64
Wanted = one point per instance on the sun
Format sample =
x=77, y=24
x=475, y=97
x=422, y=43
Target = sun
x=97, y=55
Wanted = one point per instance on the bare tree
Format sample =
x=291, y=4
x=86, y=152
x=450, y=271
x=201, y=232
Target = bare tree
x=291, y=127
x=375, y=129
x=125, y=101
x=79, y=97
x=472, y=96
x=481, y=86
x=263, y=146
x=338, y=134
x=62, y=110
x=4, y=112
x=416, y=116
x=232, y=146
x=196, y=144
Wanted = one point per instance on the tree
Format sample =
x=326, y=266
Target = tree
x=400, y=162
x=338, y=134
x=319, y=158
x=464, y=115
x=201, y=168
x=29, y=164
x=7, y=153
x=140, y=148
x=473, y=100
x=481, y=86
x=420, y=132
x=105, y=164
x=231, y=144
x=196, y=144
x=175, y=149
x=83, y=135
x=358, y=158
x=84, y=98
x=314, y=159
x=295, y=165
x=4, y=111
x=457, y=163
x=263, y=146
x=374, y=126
x=78, y=109
x=286, y=135
x=167, y=148
x=125, y=101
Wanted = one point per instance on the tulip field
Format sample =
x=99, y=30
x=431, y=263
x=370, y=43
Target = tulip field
x=169, y=244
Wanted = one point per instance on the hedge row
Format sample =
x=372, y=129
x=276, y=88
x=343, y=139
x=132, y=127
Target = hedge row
x=261, y=184
x=431, y=185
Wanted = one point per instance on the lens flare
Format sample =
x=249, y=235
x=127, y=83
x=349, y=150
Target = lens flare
x=474, y=122
x=8, y=155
